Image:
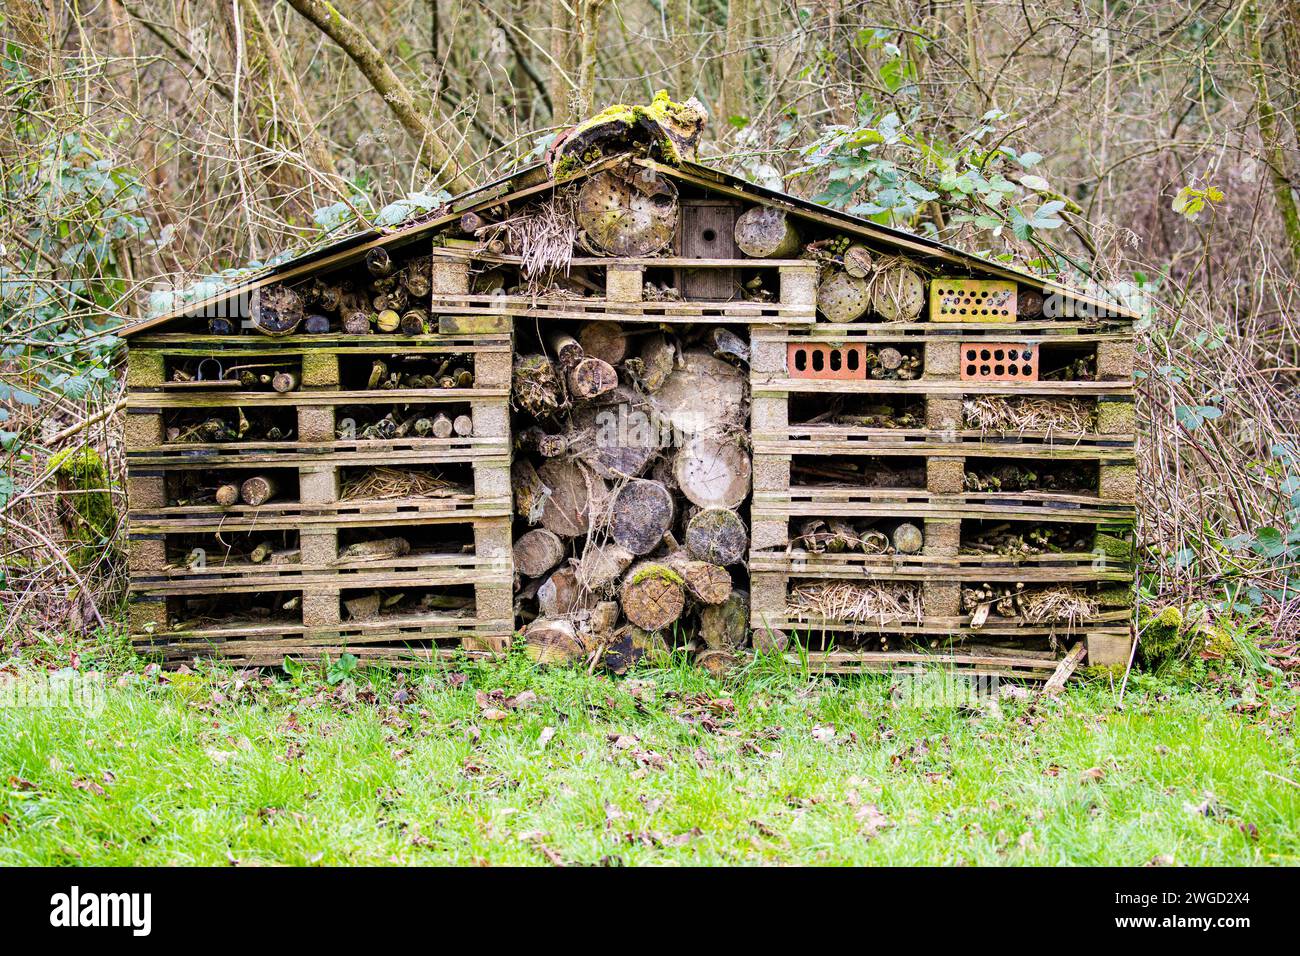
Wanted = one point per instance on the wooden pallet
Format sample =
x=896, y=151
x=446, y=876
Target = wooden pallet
x=319, y=513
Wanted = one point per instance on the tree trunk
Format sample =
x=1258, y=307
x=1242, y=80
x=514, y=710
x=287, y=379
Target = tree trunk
x=717, y=535
x=433, y=150
x=908, y=538
x=766, y=233
x=257, y=490
x=227, y=495
x=602, y=564
x=642, y=513
x=712, y=473
x=858, y=261
x=591, y=377
x=652, y=596
x=725, y=626
x=631, y=644
x=567, y=511
x=554, y=642
x=707, y=583
x=537, y=551
x=606, y=341
x=566, y=352
x=560, y=595
x=284, y=381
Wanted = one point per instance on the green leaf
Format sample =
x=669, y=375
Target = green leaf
x=341, y=669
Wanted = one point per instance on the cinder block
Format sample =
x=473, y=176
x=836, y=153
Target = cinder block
x=492, y=542
x=449, y=277
x=492, y=369
x=146, y=491
x=1115, y=418
x=942, y=538
x=945, y=476
x=315, y=423
x=942, y=358
x=943, y=413
x=318, y=548
x=769, y=414
x=799, y=287
x=941, y=598
x=491, y=418
x=1118, y=482
x=143, y=430
x=494, y=602
x=147, y=615
x=321, y=609
x=491, y=480
x=1109, y=650
x=145, y=369
x=146, y=554
x=623, y=283
x=320, y=369
x=1115, y=361
x=766, y=355
x=767, y=598
x=318, y=484
x=769, y=533
x=771, y=473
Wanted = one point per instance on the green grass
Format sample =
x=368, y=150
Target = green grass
x=667, y=766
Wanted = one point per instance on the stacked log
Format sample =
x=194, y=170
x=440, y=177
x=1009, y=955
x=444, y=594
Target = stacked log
x=629, y=476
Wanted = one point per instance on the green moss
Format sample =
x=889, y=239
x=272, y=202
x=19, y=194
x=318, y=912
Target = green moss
x=658, y=571
x=86, y=507
x=1116, y=596
x=662, y=114
x=1165, y=635
x=1112, y=546
x=1221, y=642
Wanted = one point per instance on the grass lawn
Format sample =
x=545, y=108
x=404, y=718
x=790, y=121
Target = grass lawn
x=664, y=766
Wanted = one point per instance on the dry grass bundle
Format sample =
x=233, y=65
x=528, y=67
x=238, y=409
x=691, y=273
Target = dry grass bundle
x=542, y=235
x=1026, y=414
x=879, y=603
x=380, y=484
x=1065, y=605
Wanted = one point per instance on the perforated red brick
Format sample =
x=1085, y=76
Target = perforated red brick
x=835, y=362
x=999, y=362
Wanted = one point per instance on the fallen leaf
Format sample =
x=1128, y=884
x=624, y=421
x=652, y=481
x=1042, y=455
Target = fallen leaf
x=1092, y=775
x=89, y=786
x=544, y=737
x=492, y=713
x=823, y=733
x=871, y=820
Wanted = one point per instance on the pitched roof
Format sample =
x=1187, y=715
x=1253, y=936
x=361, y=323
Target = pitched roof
x=536, y=178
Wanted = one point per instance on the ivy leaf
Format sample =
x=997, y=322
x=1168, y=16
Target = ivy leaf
x=1193, y=417
x=1268, y=542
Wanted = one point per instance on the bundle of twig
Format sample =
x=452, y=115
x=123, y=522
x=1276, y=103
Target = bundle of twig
x=379, y=484
x=542, y=235
x=878, y=603
x=1026, y=414
x=1066, y=605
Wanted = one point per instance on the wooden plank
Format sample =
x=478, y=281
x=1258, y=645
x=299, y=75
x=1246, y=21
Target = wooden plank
x=1060, y=332
x=250, y=399
x=345, y=514
x=836, y=440
x=1056, y=683
x=187, y=344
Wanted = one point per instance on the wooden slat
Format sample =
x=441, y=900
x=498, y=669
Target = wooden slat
x=1031, y=569
x=848, y=440
x=182, y=344
x=234, y=399
x=1036, y=332
x=1056, y=683
x=880, y=503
